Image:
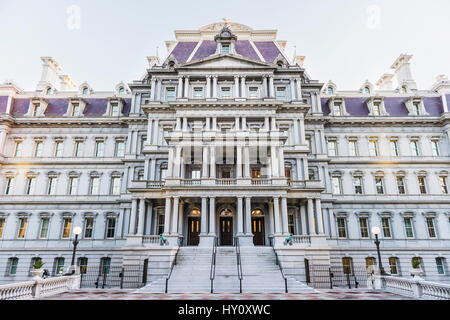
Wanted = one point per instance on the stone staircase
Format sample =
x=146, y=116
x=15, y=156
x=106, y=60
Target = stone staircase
x=191, y=274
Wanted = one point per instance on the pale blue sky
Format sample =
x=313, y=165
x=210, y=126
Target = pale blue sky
x=340, y=39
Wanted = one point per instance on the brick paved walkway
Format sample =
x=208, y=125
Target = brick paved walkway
x=96, y=294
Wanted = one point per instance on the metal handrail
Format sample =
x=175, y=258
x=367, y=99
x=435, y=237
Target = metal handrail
x=174, y=262
x=281, y=269
x=238, y=263
x=212, y=272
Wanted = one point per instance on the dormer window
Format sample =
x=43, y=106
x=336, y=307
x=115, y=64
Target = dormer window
x=85, y=90
x=49, y=91
x=337, y=109
x=225, y=48
x=376, y=109
x=75, y=110
x=114, y=110
x=330, y=90
x=416, y=108
x=36, y=110
x=121, y=90
x=366, y=90
x=403, y=89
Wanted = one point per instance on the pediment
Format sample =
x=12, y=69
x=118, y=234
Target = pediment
x=225, y=61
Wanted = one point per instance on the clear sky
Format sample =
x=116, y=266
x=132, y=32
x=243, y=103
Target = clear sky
x=347, y=41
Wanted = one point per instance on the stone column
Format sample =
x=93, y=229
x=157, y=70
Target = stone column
x=284, y=215
x=149, y=217
x=178, y=124
x=300, y=175
x=312, y=228
x=299, y=89
x=186, y=87
x=185, y=124
x=244, y=123
x=281, y=157
x=271, y=219
x=444, y=103
x=214, y=124
x=246, y=162
x=208, y=86
x=292, y=90
x=156, y=129
x=204, y=217
x=296, y=132
x=153, y=89
x=180, y=218
x=236, y=86
x=180, y=87
x=303, y=218
x=243, y=89
x=274, y=161
x=176, y=204
x=236, y=124
x=332, y=223
x=265, y=93
x=205, y=163
x=277, y=218
x=238, y=162
x=214, y=89
x=248, y=216
x=141, y=220
x=149, y=130
x=240, y=218
x=167, y=216
x=266, y=123
x=302, y=131
x=212, y=169
x=212, y=216
x=271, y=87
x=170, y=163
x=132, y=229
x=319, y=217
x=177, y=162
x=152, y=169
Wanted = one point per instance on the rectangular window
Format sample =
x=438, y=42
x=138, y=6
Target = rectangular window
x=195, y=174
x=386, y=224
x=83, y=263
x=414, y=147
x=170, y=94
x=347, y=265
x=409, y=227
x=352, y=149
x=253, y=92
x=110, y=227
x=105, y=265
x=22, y=228
x=332, y=149
x=161, y=224
x=342, y=229
x=37, y=110
x=67, y=225
x=431, y=228
x=337, y=185
x=88, y=227
x=163, y=174
x=225, y=48
x=13, y=266
x=115, y=185
x=58, y=149
x=73, y=185
x=417, y=260
x=443, y=182
x=114, y=110
x=291, y=223
x=59, y=266
x=75, y=110
x=422, y=187
x=38, y=149
x=357, y=184
x=393, y=265
x=78, y=149
x=394, y=148
x=9, y=185
x=435, y=148
x=45, y=222
x=198, y=93
x=401, y=185
x=373, y=148
x=370, y=261
x=226, y=92
x=337, y=109
x=364, y=227
x=120, y=149
x=379, y=185
x=2, y=226
x=51, y=189
x=281, y=94
x=440, y=265
x=99, y=148
x=94, y=185
x=416, y=107
x=18, y=149
x=31, y=182
x=376, y=109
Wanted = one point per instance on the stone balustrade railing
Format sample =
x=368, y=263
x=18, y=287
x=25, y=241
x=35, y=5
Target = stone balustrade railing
x=301, y=239
x=151, y=240
x=414, y=287
x=39, y=288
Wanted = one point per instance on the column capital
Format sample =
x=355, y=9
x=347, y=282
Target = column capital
x=176, y=197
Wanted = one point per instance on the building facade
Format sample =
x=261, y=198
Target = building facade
x=225, y=137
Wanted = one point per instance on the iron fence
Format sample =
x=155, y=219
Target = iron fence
x=329, y=277
x=131, y=277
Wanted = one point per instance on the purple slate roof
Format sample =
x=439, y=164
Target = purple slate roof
x=268, y=50
x=95, y=107
x=207, y=48
x=20, y=107
x=126, y=107
x=448, y=100
x=183, y=50
x=244, y=48
x=433, y=105
x=56, y=107
x=3, y=103
x=325, y=109
x=356, y=106
x=396, y=106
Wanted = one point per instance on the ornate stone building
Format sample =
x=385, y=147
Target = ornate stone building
x=225, y=137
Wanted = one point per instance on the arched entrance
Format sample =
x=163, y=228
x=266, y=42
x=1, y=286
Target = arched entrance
x=193, y=227
x=226, y=227
x=259, y=236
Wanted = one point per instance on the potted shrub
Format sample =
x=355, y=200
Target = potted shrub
x=416, y=270
x=37, y=270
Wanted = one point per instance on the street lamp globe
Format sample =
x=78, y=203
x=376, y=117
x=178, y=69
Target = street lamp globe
x=376, y=230
x=77, y=231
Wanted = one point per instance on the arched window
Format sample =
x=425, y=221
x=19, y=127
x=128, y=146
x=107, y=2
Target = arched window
x=280, y=64
x=366, y=90
x=121, y=90
x=85, y=90
x=226, y=212
x=49, y=90
x=257, y=212
x=404, y=89
x=330, y=90
x=195, y=212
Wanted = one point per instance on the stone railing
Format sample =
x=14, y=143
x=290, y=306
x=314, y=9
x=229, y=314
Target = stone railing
x=414, y=287
x=225, y=181
x=154, y=240
x=155, y=184
x=300, y=239
x=261, y=181
x=39, y=288
x=191, y=182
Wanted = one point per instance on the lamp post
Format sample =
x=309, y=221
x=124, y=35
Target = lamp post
x=76, y=232
x=376, y=231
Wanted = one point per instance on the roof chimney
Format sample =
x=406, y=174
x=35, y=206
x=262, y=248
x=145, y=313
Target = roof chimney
x=403, y=71
x=385, y=81
x=299, y=60
x=49, y=74
x=67, y=84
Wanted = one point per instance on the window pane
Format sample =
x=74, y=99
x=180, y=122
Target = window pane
x=67, y=224
x=363, y=223
x=386, y=223
x=44, y=228
x=22, y=228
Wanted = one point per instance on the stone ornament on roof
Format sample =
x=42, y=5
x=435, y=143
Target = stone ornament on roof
x=233, y=26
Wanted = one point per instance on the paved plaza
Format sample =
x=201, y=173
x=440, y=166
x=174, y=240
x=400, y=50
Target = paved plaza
x=96, y=294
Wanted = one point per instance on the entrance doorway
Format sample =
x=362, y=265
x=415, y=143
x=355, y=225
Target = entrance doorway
x=226, y=231
x=258, y=231
x=193, y=231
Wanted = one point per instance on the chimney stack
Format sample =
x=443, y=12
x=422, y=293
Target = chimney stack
x=403, y=74
x=67, y=84
x=385, y=81
x=49, y=74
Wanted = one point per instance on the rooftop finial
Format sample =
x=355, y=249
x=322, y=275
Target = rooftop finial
x=227, y=21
